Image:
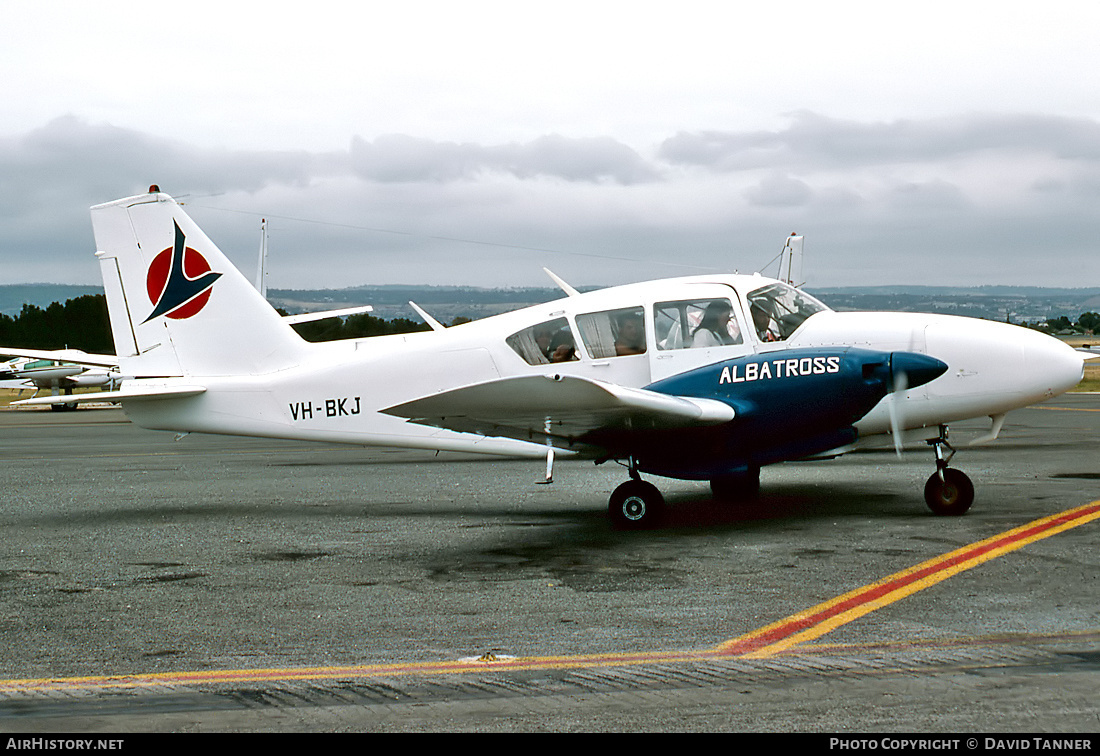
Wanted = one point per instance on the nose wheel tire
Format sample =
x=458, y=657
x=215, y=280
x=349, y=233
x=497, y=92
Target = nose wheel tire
x=952, y=495
x=636, y=505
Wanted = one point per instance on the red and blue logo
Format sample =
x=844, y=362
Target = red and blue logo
x=179, y=280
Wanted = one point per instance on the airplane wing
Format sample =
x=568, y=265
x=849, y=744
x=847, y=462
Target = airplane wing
x=536, y=408
x=75, y=356
x=131, y=393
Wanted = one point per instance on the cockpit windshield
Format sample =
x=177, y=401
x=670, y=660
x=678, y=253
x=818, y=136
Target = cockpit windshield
x=778, y=310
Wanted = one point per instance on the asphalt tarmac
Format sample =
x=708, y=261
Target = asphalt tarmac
x=231, y=584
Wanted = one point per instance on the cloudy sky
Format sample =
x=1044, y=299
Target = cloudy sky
x=473, y=143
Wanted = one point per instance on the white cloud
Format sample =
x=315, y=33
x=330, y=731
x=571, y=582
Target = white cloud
x=399, y=157
x=777, y=189
x=645, y=130
x=407, y=209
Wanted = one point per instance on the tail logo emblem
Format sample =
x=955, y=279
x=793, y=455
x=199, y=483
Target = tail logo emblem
x=179, y=280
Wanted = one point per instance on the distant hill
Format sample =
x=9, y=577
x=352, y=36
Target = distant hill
x=445, y=303
x=389, y=301
x=969, y=291
x=14, y=296
x=1017, y=304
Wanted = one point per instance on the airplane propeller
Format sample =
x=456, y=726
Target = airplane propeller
x=908, y=370
x=897, y=425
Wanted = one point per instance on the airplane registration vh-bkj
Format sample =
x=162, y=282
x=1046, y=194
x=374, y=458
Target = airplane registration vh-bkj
x=701, y=378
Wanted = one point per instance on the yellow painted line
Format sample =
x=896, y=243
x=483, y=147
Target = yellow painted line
x=352, y=671
x=1065, y=409
x=827, y=616
x=767, y=641
x=973, y=641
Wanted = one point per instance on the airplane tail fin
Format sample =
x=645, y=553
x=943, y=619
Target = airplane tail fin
x=176, y=303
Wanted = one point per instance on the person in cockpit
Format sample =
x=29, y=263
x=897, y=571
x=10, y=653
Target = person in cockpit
x=562, y=347
x=714, y=329
x=763, y=322
x=543, y=336
x=631, y=337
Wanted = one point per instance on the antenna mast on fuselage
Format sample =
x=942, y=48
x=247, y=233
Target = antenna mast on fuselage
x=791, y=248
x=261, y=273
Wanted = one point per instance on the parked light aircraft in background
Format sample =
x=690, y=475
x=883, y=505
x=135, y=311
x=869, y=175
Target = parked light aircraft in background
x=702, y=378
x=59, y=371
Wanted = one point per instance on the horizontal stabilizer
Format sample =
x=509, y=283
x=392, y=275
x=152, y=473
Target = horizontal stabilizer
x=309, y=317
x=134, y=393
x=558, y=407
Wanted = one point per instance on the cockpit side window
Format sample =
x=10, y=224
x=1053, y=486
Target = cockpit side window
x=695, y=323
x=614, y=333
x=551, y=341
x=778, y=310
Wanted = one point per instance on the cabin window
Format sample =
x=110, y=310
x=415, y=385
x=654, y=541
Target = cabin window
x=544, y=343
x=614, y=333
x=696, y=323
x=778, y=310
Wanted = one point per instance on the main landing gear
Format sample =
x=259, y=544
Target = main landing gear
x=636, y=504
x=949, y=491
x=68, y=407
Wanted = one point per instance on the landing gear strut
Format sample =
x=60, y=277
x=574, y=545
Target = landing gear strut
x=949, y=491
x=736, y=488
x=636, y=504
x=63, y=407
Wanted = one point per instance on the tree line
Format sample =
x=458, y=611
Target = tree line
x=80, y=323
x=83, y=323
x=1089, y=322
x=355, y=327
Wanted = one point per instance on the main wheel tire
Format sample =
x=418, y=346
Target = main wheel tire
x=636, y=505
x=951, y=496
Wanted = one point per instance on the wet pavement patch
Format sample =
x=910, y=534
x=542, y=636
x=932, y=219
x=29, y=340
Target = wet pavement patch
x=289, y=556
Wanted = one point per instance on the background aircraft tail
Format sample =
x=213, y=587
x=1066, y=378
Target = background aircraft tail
x=177, y=305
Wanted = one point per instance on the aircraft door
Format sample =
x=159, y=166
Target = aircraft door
x=702, y=328
x=616, y=342
x=612, y=346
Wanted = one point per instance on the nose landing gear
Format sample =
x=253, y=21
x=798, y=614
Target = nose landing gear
x=948, y=492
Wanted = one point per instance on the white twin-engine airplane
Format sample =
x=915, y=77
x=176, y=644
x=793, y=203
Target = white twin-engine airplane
x=700, y=378
x=58, y=371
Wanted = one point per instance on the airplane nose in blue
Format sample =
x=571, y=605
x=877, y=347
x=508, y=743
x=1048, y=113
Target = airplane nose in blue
x=918, y=369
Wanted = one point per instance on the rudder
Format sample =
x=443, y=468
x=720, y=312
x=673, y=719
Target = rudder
x=177, y=305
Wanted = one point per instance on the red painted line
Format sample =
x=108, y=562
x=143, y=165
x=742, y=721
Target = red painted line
x=968, y=555
x=813, y=621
